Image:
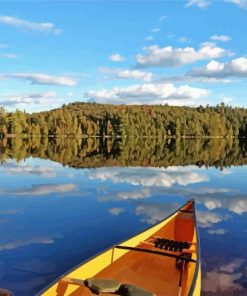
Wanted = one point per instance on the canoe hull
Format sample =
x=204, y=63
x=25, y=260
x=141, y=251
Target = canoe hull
x=102, y=264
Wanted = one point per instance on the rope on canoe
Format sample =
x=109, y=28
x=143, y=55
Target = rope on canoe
x=171, y=245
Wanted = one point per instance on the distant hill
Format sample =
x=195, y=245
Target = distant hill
x=101, y=120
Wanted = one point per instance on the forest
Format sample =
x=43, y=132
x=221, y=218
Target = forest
x=102, y=120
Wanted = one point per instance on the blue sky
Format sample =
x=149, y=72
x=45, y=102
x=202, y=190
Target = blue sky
x=133, y=52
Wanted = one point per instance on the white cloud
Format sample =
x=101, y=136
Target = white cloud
x=226, y=100
x=182, y=39
x=70, y=94
x=160, y=177
x=116, y=57
x=135, y=194
x=27, y=99
x=233, y=265
x=148, y=93
x=218, y=231
x=233, y=203
x=220, y=283
x=202, y=4
x=149, y=38
x=238, y=206
x=208, y=219
x=222, y=38
x=209, y=190
x=8, y=55
x=174, y=57
x=26, y=169
x=127, y=74
x=26, y=242
x=154, y=213
x=155, y=30
x=24, y=24
x=240, y=3
x=43, y=79
x=135, y=74
x=44, y=189
x=116, y=211
x=214, y=69
x=162, y=18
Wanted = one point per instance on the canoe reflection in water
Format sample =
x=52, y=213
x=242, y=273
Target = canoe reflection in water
x=162, y=260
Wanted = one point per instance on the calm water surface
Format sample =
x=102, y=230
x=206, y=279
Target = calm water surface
x=53, y=216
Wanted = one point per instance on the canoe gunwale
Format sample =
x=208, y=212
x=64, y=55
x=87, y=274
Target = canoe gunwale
x=40, y=293
x=193, y=284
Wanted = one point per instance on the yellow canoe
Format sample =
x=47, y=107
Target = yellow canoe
x=162, y=260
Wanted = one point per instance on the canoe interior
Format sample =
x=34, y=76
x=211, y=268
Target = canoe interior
x=152, y=272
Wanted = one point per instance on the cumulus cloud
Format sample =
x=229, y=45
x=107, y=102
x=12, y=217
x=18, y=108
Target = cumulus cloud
x=174, y=57
x=182, y=39
x=236, y=67
x=135, y=194
x=135, y=74
x=220, y=283
x=116, y=211
x=148, y=177
x=28, y=25
x=43, y=189
x=238, y=206
x=202, y=4
x=233, y=265
x=208, y=219
x=127, y=74
x=221, y=198
x=222, y=38
x=26, y=242
x=155, y=30
x=149, y=93
x=25, y=169
x=117, y=57
x=149, y=38
x=153, y=213
x=217, y=231
x=240, y=3
x=43, y=79
x=225, y=279
x=128, y=195
x=28, y=98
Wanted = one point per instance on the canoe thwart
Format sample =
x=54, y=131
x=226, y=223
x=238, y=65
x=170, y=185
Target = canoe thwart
x=156, y=252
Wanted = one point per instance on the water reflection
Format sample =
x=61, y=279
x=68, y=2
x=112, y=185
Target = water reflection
x=149, y=152
x=53, y=216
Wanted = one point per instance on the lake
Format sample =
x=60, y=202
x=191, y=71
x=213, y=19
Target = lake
x=62, y=201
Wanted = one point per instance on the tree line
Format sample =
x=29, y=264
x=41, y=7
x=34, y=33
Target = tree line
x=102, y=120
